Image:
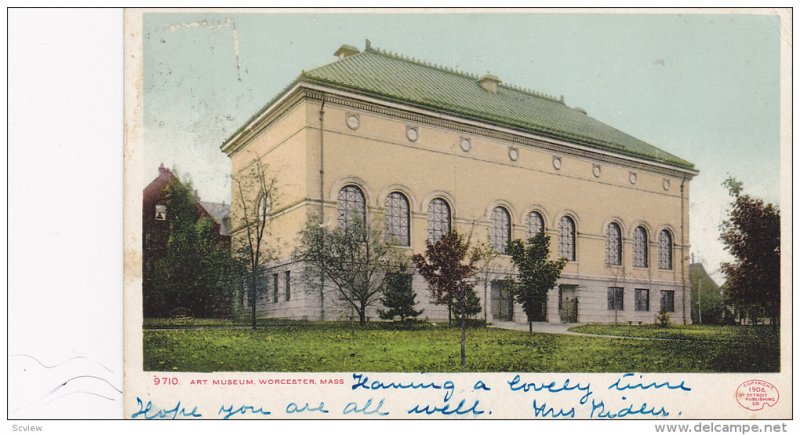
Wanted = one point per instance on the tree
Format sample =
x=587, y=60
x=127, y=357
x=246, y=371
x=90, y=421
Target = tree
x=751, y=233
x=472, y=304
x=217, y=269
x=255, y=199
x=398, y=296
x=708, y=305
x=355, y=257
x=448, y=275
x=485, y=260
x=192, y=272
x=535, y=273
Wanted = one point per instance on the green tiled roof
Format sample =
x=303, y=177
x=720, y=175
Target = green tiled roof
x=388, y=76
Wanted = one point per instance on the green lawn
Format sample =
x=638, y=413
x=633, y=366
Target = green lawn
x=383, y=347
x=749, y=334
x=199, y=322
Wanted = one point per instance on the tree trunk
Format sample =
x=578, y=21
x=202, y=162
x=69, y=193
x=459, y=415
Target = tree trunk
x=530, y=326
x=485, y=298
x=362, y=315
x=463, y=335
x=449, y=313
x=253, y=299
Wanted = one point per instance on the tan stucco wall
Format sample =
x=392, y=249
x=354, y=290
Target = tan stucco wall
x=380, y=159
x=282, y=149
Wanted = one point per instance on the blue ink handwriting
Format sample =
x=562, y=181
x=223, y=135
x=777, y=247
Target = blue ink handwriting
x=600, y=408
x=362, y=381
x=480, y=386
x=446, y=410
x=147, y=412
x=352, y=408
x=552, y=387
x=292, y=408
x=548, y=411
x=228, y=411
x=640, y=386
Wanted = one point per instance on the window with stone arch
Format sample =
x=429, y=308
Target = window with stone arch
x=438, y=219
x=566, y=238
x=352, y=205
x=535, y=224
x=613, y=244
x=397, y=219
x=500, y=229
x=640, y=247
x=665, y=250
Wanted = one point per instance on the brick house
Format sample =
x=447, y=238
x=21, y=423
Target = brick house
x=155, y=227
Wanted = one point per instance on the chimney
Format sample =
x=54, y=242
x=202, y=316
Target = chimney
x=346, y=51
x=489, y=83
x=161, y=168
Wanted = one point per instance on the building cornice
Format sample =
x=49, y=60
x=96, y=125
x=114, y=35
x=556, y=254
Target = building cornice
x=305, y=90
x=268, y=115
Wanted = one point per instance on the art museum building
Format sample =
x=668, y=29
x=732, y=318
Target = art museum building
x=426, y=149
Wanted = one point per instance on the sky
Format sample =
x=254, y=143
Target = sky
x=704, y=87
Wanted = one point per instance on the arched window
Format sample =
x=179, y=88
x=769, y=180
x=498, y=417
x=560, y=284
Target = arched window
x=566, y=238
x=665, y=250
x=640, y=247
x=438, y=219
x=500, y=230
x=397, y=218
x=351, y=205
x=535, y=224
x=613, y=244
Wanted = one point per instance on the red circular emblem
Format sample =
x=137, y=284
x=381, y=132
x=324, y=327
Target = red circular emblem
x=756, y=394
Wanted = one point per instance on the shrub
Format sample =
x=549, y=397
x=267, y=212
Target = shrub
x=398, y=297
x=476, y=323
x=662, y=319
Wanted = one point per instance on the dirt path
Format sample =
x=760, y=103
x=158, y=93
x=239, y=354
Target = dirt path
x=563, y=329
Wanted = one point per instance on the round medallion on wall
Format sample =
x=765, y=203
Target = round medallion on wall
x=557, y=162
x=596, y=171
x=412, y=133
x=513, y=154
x=353, y=121
x=465, y=144
x=632, y=177
x=666, y=184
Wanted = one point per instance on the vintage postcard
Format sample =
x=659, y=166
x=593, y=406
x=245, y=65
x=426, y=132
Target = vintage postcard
x=458, y=214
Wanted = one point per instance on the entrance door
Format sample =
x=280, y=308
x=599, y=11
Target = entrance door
x=502, y=302
x=540, y=311
x=568, y=303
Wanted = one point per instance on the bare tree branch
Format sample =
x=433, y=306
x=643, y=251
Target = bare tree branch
x=257, y=194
